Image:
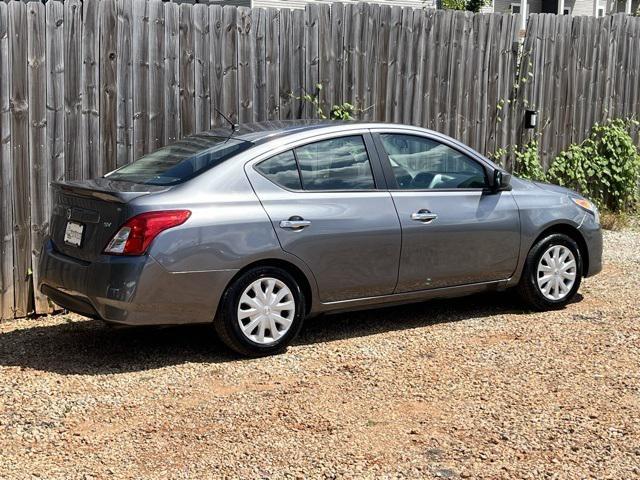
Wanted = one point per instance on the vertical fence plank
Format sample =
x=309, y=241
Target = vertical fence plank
x=370, y=54
x=202, y=69
x=215, y=62
x=124, y=83
x=297, y=62
x=55, y=89
x=7, y=305
x=72, y=89
x=414, y=20
x=171, y=72
x=286, y=44
x=395, y=30
x=246, y=67
x=258, y=56
x=140, y=62
x=20, y=156
x=39, y=172
x=187, y=71
x=349, y=50
x=90, y=136
x=335, y=88
x=430, y=85
x=421, y=57
x=140, y=53
x=381, y=62
x=312, y=56
x=108, y=89
x=230, y=104
x=156, y=75
x=272, y=63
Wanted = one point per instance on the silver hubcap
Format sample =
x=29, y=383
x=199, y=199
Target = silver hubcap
x=266, y=310
x=556, y=272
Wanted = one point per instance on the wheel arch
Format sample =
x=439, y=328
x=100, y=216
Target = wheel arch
x=296, y=272
x=571, y=232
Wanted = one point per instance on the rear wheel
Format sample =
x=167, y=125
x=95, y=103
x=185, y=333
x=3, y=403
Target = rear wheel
x=552, y=273
x=261, y=312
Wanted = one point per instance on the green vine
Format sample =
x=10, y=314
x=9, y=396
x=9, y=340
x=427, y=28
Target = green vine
x=344, y=111
x=526, y=160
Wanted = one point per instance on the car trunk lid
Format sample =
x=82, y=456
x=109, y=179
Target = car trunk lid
x=96, y=209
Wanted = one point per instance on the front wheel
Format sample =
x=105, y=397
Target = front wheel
x=552, y=273
x=260, y=312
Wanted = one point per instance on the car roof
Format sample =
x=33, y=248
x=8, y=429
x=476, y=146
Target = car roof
x=260, y=132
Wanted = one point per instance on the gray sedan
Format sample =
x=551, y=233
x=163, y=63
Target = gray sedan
x=254, y=228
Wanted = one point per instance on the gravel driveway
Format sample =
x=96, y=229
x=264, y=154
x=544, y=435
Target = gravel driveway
x=471, y=388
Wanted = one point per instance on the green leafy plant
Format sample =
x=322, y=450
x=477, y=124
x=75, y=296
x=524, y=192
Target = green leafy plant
x=605, y=167
x=527, y=162
x=453, y=4
x=468, y=5
x=344, y=111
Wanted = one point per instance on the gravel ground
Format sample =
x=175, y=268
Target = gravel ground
x=469, y=388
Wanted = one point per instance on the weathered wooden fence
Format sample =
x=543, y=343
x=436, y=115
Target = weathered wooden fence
x=88, y=86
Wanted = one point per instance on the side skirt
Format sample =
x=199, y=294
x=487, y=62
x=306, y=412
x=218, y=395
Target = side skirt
x=412, y=297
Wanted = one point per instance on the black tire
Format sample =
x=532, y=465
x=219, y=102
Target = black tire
x=528, y=286
x=226, y=320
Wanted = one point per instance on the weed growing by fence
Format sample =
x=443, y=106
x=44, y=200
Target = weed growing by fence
x=468, y=5
x=527, y=162
x=344, y=111
x=605, y=167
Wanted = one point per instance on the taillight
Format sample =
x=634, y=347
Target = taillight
x=138, y=232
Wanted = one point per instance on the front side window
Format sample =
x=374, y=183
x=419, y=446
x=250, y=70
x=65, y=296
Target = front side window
x=335, y=164
x=180, y=161
x=420, y=163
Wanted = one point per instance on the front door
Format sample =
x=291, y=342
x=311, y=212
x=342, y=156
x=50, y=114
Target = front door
x=326, y=210
x=454, y=230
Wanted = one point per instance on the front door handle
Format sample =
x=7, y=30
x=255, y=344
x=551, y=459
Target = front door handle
x=295, y=223
x=424, y=216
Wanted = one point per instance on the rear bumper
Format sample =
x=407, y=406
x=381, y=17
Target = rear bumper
x=130, y=290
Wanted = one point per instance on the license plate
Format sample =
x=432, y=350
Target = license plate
x=73, y=234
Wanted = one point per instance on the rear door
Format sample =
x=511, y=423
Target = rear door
x=326, y=208
x=454, y=230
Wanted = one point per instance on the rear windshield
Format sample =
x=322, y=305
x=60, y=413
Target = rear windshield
x=180, y=161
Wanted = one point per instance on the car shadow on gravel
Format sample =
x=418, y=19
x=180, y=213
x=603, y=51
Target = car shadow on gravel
x=93, y=348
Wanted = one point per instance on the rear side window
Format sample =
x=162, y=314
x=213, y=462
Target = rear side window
x=282, y=170
x=180, y=161
x=335, y=164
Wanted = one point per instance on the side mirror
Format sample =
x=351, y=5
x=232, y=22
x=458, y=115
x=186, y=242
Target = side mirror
x=501, y=180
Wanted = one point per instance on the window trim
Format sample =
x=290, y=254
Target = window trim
x=390, y=177
x=377, y=172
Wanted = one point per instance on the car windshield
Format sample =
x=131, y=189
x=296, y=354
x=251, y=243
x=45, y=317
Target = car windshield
x=180, y=161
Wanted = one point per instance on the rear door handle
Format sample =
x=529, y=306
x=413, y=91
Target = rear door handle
x=294, y=223
x=424, y=216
